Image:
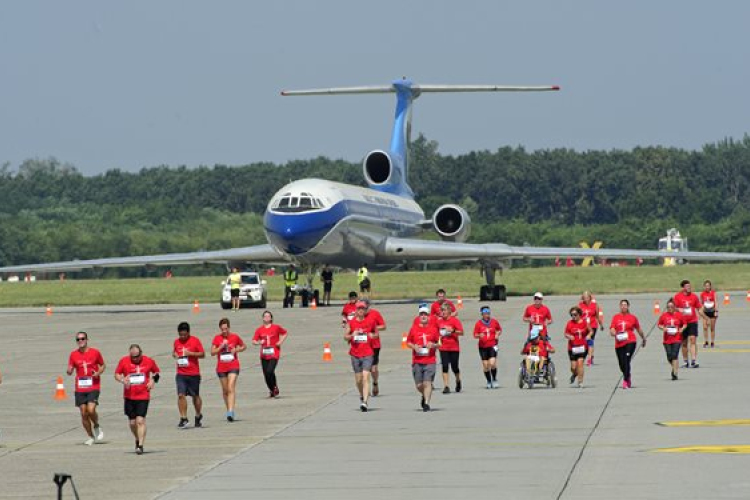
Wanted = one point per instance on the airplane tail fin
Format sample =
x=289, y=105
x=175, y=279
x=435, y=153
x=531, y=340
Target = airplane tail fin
x=388, y=171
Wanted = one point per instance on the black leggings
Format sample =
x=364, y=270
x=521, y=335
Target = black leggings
x=269, y=372
x=449, y=359
x=624, y=357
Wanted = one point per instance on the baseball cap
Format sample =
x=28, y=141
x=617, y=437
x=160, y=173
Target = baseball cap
x=538, y=295
x=424, y=308
x=361, y=304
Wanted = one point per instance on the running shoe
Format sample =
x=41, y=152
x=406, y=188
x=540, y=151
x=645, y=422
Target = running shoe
x=89, y=441
x=183, y=423
x=276, y=392
x=199, y=421
x=425, y=407
x=489, y=385
x=712, y=345
x=674, y=376
x=98, y=434
x=705, y=345
x=686, y=365
x=588, y=362
x=572, y=378
x=458, y=386
x=375, y=390
x=230, y=416
x=363, y=407
x=495, y=385
x=139, y=450
x=446, y=390
x=421, y=403
x=694, y=364
x=579, y=385
x=624, y=384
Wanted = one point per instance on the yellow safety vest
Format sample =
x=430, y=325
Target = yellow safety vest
x=362, y=274
x=290, y=277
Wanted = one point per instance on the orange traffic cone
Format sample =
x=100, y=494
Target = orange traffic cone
x=60, y=391
x=403, y=342
x=49, y=310
x=460, y=302
x=196, y=307
x=327, y=352
x=657, y=308
x=726, y=299
x=313, y=304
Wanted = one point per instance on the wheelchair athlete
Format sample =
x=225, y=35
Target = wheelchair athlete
x=536, y=351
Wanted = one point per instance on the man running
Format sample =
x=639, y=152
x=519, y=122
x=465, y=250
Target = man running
x=138, y=374
x=360, y=332
x=376, y=318
x=439, y=301
x=690, y=306
x=89, y=365
x=423, y=339
x=187, y=351
x=349, y=309
x=487, y=330
x=538, y=316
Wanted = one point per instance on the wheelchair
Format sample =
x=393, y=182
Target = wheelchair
x=545, y=375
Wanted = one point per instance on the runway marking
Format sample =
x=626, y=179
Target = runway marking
x=708, y=351
x=741, y=449
x=704, y=423
x=733, y=342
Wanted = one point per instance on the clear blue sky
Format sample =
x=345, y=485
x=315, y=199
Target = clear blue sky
x=105, y=84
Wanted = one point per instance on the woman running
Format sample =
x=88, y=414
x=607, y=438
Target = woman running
x=623, y=328
x=226, y=345
x=487, y=330
x=450, y=329
x=710, y=312
x=270, y=337
x=578, y=332
x=672, y=324
x=594, y=317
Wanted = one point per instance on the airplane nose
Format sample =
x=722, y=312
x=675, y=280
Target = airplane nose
x=294, y=234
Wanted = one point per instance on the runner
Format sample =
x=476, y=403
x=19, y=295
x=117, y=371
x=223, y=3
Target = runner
x=538, y=316
x=488, y=331
x=270, y=337
x=671, y=323
x=440, y=300
x=138, y=374
x=450, y=329
x=623, y=328
x=710, y=312
x=360, y=333
x=594, y=317
x=89, y=365
x=374, y=316
x=347, y=313
x=423, y=339
x=225, y=346
x=690, y=306
x=578, y=333
x=187, y=350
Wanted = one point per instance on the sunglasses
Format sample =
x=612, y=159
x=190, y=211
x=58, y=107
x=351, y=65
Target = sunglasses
x=80, y=339
x=573, y=315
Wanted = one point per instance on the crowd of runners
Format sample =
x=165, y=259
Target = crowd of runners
x=434, y=337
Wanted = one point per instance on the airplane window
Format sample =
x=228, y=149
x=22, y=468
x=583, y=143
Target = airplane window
x=305, y=202
x=294, y=202
x=284, y=202
x=320, y=203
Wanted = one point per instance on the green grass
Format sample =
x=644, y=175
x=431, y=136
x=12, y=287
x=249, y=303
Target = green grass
x=390, y=285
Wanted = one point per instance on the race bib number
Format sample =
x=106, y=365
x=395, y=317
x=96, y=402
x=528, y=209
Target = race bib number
x=495, y=348
x=687, y=311
x=350, y=317
x=533, y=358
x=85, y=382
x=579, y=349
x=422, y=351
x=360, y=338
x=708, y=305
x=182, y=361
x=269, y=351
x=622, y=336
x=671, y=330
x=536, y=329
x=137, y=378
x=444, y=332
x=226, y=357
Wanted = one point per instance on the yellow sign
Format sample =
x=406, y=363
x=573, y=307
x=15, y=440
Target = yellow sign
x=741, y=449
x=704, y=423
x=588, y=260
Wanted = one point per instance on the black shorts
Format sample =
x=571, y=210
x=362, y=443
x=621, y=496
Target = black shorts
x=234, y=292
x=327, y=287
x=673, y=351
x=136, y=408
x=375, y=356
x=188, y=385
x=224, y=374
x=691, y=330
x=364, y=287
x=83, y=398
x=710, y=314
x=488, y=352
x=580, y=355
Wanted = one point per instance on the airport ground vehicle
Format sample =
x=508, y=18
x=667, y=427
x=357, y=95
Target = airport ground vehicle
x=252, y=291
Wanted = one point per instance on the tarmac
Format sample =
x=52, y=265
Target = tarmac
x=596, y=442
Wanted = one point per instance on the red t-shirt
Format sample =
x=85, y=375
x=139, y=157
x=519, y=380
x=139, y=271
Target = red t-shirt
x=227, y=361
x=590, y=314
x=688, y=305
x=269, y=336
x=708, y=299
x=579, y=330
x=188, y=365
x=435, y=307
x=138, y=375
x=486, y=333
x=361, y=341
x=538, y=315
x=448, y=337
x=377, y=318
x=540, y=348
x=421, y=335
x=672, y=324
x=348, y=311
x=86, y=363
x=624, y=323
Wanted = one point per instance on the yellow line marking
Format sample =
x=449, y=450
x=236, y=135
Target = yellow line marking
x=725, y=350
x=733, y=342
x=742, y=449
x=704, y=423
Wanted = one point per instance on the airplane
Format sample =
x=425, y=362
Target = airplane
x=312, y=222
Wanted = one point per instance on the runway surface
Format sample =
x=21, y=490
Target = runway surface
x=596, y=442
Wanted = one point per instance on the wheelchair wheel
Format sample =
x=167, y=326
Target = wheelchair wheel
x=520, y=378
x=551, y=374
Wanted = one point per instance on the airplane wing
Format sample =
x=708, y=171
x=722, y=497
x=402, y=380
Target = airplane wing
x=255, y=254
x=397, y=249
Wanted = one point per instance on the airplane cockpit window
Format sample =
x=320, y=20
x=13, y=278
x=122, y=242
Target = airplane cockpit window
x=304, y=202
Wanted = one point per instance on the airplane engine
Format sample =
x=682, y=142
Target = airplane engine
x=452, y=223
x=379, y=169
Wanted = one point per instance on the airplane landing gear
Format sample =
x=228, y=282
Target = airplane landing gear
x=491, y=291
